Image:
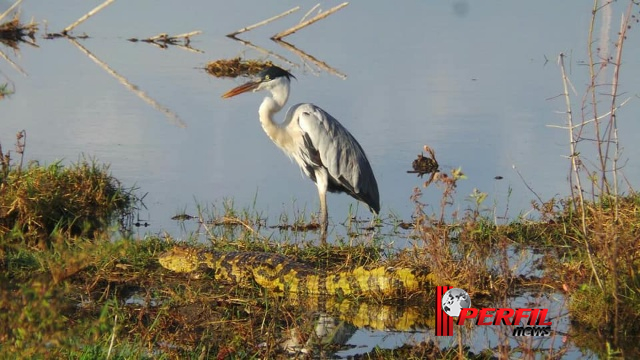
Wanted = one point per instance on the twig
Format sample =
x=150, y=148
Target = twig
x=589, y=121
x=203, y=223
x=226, y=220
x=113, y=336
x=309, y=12
x=613, y=123
x=21, y=143
x=318, y=17
x=189, y=34
x=317, y=62
x=141, y=94
x=575, y=170
x=593, y=76
x=572, y=141
x=10, y=9
x=168, y=38
x=264, y=51
x=189, y=48
x=526, y=184
x=162, y=40
x=13, y=64
x=87, y=15
x=264, y=22
x=161, y=36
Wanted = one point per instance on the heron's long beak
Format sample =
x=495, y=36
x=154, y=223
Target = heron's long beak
x=252, y=85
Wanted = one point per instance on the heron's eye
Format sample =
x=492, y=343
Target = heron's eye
x=267, y=78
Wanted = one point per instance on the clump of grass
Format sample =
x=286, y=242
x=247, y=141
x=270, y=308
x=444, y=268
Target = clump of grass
x=236, y=67
x=610, y=247
x=74, y=200
x=40, y=204
x=5, y=91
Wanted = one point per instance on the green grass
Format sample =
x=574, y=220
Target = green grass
x=5, y=91
x=44, y=204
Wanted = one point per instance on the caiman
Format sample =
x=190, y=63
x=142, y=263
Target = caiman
x=279, y=273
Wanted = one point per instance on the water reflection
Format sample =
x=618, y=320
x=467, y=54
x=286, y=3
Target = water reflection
x=172, y=116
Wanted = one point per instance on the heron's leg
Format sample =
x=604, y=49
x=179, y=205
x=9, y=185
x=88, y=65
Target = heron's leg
x=322, y=180
x=324, y=215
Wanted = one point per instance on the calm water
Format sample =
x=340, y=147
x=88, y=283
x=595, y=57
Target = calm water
x=475, y=82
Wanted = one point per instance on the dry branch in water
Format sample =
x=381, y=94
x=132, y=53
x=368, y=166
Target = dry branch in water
x=264, y=22
x=236, y=67
x=318, y=17
x=304, y=55
x=163, y=40
x=10, y=9
x=265, y=51
x=87, y=15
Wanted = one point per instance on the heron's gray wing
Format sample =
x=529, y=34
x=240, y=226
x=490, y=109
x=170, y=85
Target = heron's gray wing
x=327, y=143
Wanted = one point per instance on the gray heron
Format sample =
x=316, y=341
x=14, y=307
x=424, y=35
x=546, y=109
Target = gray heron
x=326, y=151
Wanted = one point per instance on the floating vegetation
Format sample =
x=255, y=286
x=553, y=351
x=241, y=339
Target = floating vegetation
x=163, y=40
x=425, y=165
x=236, y=67
x=50, y=36
x=429, y=165
x=182, y=217
x=13, y=32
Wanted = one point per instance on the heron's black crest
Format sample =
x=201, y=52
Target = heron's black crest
x=273, y=72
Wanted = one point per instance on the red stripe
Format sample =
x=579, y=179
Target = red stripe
x=438, y=310
x=444, y=323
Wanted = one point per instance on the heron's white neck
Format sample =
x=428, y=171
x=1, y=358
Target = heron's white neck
x=279, y=89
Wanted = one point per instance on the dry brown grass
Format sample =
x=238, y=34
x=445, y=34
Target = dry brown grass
x=13, y=32
x=236, y=67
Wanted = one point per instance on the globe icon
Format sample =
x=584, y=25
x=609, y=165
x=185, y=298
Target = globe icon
x=454, y=300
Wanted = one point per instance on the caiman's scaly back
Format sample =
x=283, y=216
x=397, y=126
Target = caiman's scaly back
x=279, y=273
